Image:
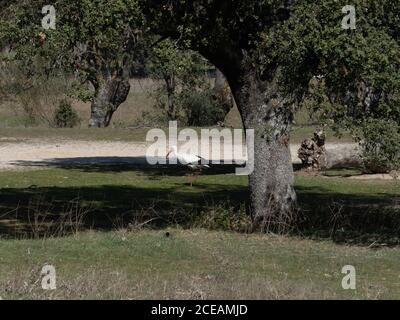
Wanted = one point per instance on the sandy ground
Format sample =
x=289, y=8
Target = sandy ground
x=16, y=155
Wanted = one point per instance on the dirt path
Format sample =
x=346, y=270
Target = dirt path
x=16, y=155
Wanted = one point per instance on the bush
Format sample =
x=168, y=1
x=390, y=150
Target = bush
x=223, y=216
x=35, y=99
x=152, y=118
x=200, y=109
x=65, y=115
x=380, y=146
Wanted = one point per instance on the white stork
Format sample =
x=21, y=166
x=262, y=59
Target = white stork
x=192, y=161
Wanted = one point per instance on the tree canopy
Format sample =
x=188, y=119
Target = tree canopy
x=276, y=53
x=305, y=38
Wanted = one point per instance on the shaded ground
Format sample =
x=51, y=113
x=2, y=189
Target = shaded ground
x=66, y=198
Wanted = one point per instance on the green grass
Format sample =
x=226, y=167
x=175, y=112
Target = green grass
x=106, y=193
x=337, y=186
x=160, y=178
x=126, y=134
x=106, y=257
x=194, y=264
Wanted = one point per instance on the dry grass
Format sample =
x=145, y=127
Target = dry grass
x=193, y=264
x=135, y=113
x=98, y=284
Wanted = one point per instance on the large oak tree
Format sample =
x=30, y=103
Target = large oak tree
x=270, y=50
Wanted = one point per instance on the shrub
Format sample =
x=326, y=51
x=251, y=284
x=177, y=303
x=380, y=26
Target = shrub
x=65, y=115
x=380, y=146
x=200, y=109
x=34, y=98
x=223, y=216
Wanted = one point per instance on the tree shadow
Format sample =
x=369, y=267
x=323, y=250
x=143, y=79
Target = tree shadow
x=372, y=220
x=359, y=219
x=125, y=164
x=43, y=211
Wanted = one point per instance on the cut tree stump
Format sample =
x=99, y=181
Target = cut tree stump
x=312, y=152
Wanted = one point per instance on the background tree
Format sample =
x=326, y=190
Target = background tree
x=179, y=70
x=186, y=94
x=357, y=86
x=269, y=51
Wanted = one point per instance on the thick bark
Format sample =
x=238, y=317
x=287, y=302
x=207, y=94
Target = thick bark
x=110, y=93
x=272, y=196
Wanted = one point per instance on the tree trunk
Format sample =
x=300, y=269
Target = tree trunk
x=110, y=93
x=170, y=86
x=222, y=95
x=272, y=196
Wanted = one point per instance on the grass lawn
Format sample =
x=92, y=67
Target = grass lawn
x=112, y=243
x=299, y=133
x=194, y=264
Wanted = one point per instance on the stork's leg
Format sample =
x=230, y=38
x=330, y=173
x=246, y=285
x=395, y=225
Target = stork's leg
x=190, y=179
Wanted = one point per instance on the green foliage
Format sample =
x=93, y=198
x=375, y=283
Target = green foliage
x=33, y=99
x=200, y=109
x=182, y=72
x=223, y=217
x=358, y=69
x=81, y=93
x=380, y=145
x=65, y=115
x=169, y=59
x=93, y=39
